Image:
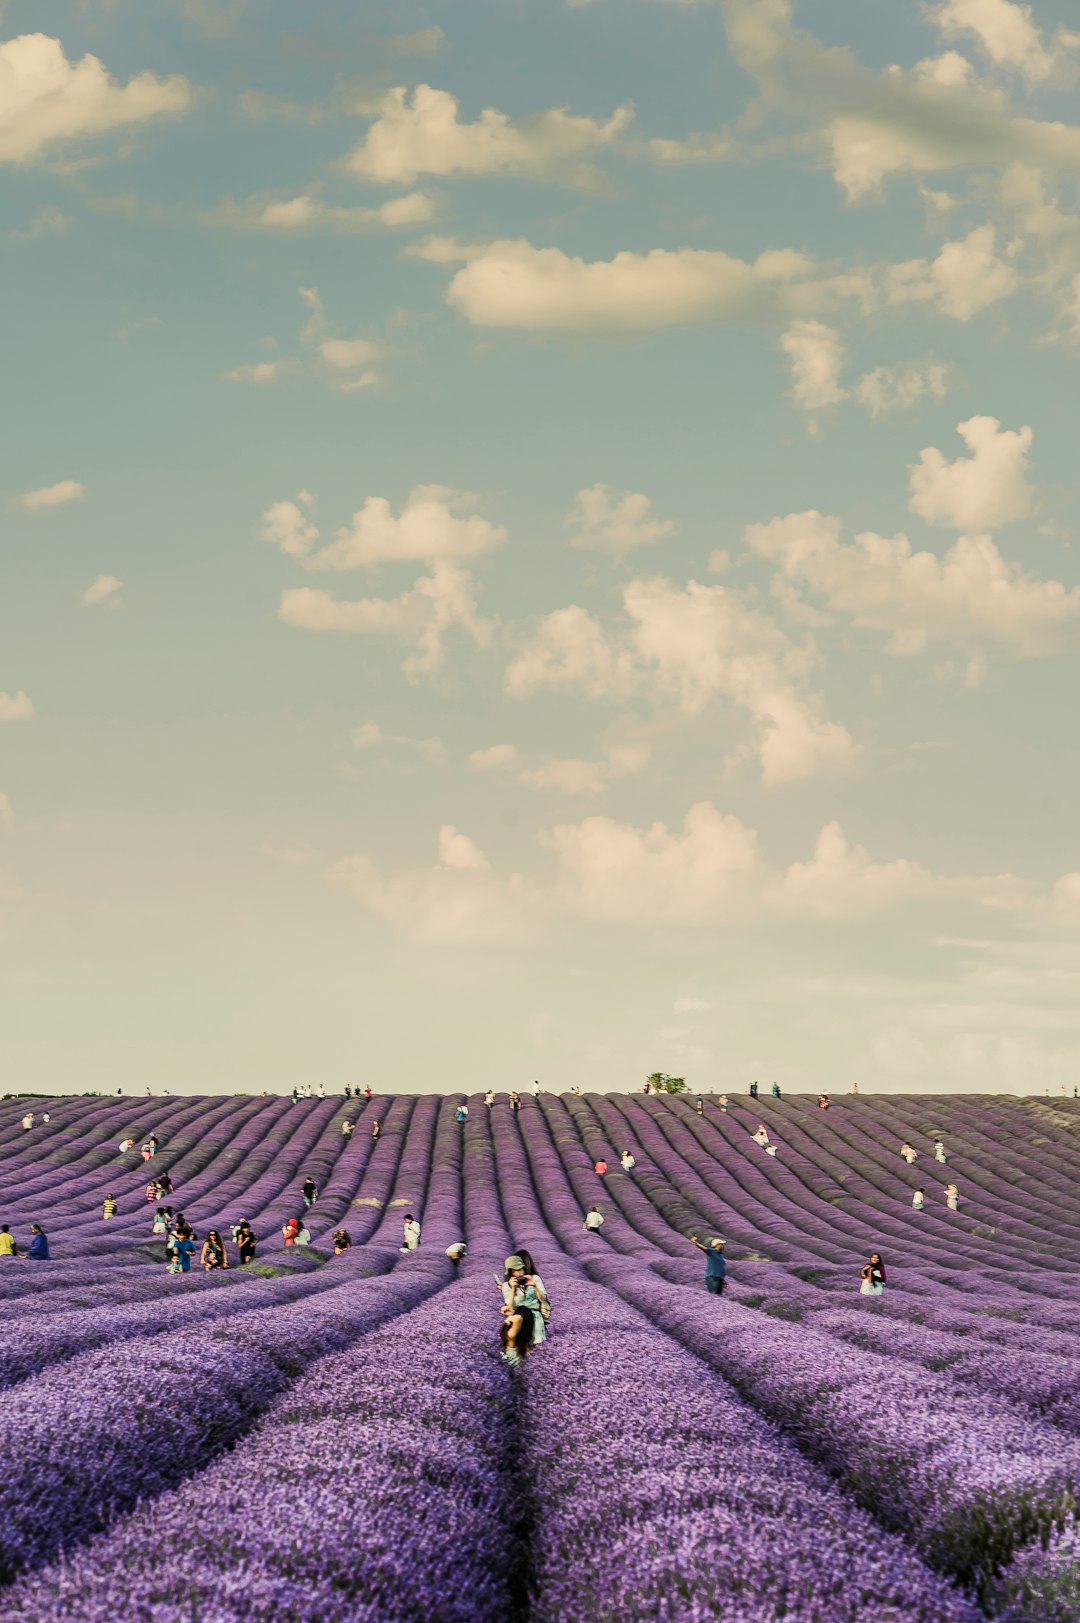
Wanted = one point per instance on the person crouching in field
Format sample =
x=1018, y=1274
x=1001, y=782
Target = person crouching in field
x=873, y=1276
x=523, y=1326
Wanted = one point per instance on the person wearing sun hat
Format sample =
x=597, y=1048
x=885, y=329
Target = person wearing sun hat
x=715, y=1263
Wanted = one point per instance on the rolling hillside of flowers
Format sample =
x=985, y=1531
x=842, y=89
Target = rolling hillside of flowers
x=337, y=1438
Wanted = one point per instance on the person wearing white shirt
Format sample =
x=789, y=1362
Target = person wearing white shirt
x=594, y=1219
x=918, y=1200
x=762, y=1135
x=909, y=1153
x=628, y=1161
x=939, y=1151
x=412, y=1233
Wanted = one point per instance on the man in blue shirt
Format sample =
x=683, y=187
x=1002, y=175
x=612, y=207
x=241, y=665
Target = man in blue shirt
x=715, y=1264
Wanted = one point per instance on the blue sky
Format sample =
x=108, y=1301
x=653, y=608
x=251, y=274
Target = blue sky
x=538, y=541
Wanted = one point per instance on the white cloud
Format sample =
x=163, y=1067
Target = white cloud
x=697, y=148
x=308, y=213
x=896, y=388
x=971, y=597
x=570, y=650
x=286, y=525
x=566, y=777
x=604, y=520
x=58, y=495
x=345, y=354
x=435, y=523
x=369, y=735
x=420, y=616
x=816, y=353
x=105, y=589
x=966, y=278
x=694, y=644
x=425, y=136
x=460, y=900
x=15, y=706
x=989, y=488
x=840, y=879
x=1009, y=36
x=45, y=99
x=512, y=284
x=493, y=758
x=257, y=372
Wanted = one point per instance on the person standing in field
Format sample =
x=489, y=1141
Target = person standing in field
x=28, y=1120
x=376, y=1128
x=600, y=1168
x=515, y=1102
x=309, y=1189
x=855, y=1089
x=411, y=1234
x=823, y=1101
x=715, y=1264
x=723, y=1103
x=627, y=1161
x=873, y=1276
x=489, y=1098
x=346, y=1129
x=699, y=1104
x=753, y=1090
x=461, y=1114
x=939, y=1151
x=246, y=1240
x=952, y=1197
x=182, y=1252
x=109, y=1207
x=918, y=1200
x=290, y=1230
x=776, y=1090
x=594, y=1220
x=367, y=1091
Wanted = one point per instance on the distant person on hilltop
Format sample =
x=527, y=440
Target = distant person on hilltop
x=854, y=1088
x=367, y=1091
x=873, y=1276
x=723, y=1102
x=489, y=1098
x=715, y=1263
x=823, y=1101
x=376, y=1128
x=776, y=1090
x=461, y=1114
x=699, y=1104
x=515, y=1102
x=753, y=1090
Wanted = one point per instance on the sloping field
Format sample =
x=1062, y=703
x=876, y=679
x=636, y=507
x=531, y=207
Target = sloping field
x=338, y=1438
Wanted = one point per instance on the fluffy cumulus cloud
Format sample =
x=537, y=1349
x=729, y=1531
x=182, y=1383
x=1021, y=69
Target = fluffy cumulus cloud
x=966, y=278
x=897, y=388
x=420, y=617
x=982, y=491
x=425, y=135
x=105, y=589
x=58, y=495
x=694, y=645
x=435, y=523
x=15, y=707
x=46, y=100
x=816, y=354
x=516, y=285
x=609, y=521
x=971, y=598
x=1009, y=36
x=709, y=873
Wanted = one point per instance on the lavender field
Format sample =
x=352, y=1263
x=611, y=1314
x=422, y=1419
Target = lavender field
x=337, y=1438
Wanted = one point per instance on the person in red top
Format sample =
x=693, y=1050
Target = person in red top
x=367, y=1091
x=600, y=1168
x=290, y=1230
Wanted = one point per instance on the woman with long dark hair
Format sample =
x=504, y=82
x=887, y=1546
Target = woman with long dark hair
x=543, y=1300
x=213, y=1252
